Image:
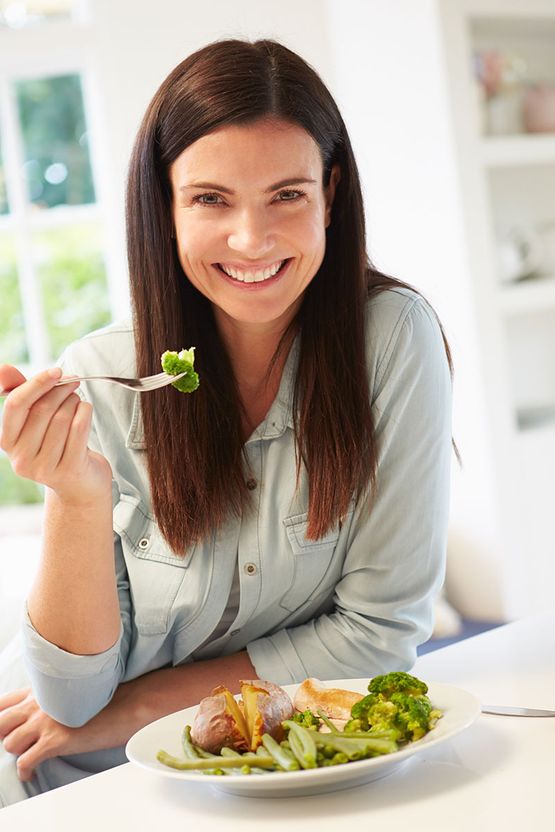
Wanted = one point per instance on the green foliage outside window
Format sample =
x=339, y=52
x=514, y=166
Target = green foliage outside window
x=13, y=349
x=3, y=193
x=15, y=491
x=54, y=133
x=72, y=278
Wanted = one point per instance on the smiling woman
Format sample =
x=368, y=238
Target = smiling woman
x=288, y=519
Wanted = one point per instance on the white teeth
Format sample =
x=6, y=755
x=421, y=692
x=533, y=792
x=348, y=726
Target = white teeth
x=252, y=277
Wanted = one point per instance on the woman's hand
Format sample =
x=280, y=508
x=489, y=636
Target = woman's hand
x=44, y=433
x=31, y=735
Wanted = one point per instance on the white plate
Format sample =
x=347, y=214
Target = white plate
x=460, y=709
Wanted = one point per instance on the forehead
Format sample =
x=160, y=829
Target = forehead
x=266, y=150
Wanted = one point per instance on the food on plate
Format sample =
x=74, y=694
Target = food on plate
x=262, y=733
x=397, y=703
x=336, y=703
x=175, y=363
x=219, y=723
x=223, y=722
x=266, y=706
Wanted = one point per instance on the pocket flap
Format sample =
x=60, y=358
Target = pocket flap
x=139, y=528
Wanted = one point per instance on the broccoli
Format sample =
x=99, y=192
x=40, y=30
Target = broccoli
x=396, y=707
x=413, y=715
x=175, y=363
x=397, y=682
x=308, y=719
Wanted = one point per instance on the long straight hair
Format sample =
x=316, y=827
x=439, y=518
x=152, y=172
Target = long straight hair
x=194, y=443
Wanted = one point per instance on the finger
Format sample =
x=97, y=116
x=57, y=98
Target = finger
x=39, y=417
x=10, y=377
x=29, y=760
x=13, y=697
x=57, y=433
x=76, y=444
x=21, y=738
x=20, y=401
x=11, y=719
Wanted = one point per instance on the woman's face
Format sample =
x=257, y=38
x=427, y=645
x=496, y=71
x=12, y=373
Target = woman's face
x=250, y=213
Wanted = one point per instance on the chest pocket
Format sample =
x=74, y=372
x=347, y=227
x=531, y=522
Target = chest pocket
x=155, y=572
x=311, y=561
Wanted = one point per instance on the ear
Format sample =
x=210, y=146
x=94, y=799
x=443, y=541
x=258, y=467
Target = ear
x=335, y=176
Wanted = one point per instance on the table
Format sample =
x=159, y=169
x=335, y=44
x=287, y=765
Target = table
x=498, y=774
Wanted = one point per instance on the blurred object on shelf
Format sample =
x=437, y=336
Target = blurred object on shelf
x=519, y=254
x=538, y=108
x=527, y=251
x=501, y=78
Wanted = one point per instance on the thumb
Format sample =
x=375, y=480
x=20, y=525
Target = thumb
x=10, y=377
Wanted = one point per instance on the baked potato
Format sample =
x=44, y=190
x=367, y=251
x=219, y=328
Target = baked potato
x=219, y=722
x=222, y=721
x=266, y=705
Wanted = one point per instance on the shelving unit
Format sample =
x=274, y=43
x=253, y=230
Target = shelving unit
x=507, y=185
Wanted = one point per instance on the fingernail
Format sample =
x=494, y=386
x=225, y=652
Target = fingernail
x=55, y=372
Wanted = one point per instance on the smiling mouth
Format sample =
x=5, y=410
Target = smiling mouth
x=254, y=276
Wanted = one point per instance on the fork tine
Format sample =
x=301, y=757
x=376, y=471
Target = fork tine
x=154, y=382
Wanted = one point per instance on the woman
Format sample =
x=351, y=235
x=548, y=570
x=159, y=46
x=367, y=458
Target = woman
x=288, y=519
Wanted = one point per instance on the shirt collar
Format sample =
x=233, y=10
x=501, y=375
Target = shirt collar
x=278, y=419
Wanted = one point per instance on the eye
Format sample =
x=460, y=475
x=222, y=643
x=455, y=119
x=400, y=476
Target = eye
x=291, y=195
x=207, y=199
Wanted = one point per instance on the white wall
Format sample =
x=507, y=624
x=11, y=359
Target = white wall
x=389, y=80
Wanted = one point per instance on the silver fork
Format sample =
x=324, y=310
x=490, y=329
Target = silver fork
x=141, y=385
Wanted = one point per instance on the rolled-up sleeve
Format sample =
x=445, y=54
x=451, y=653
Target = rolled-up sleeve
x=73, y=688
x=395, y=553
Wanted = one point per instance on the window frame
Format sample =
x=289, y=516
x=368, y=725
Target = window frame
x=50, y=49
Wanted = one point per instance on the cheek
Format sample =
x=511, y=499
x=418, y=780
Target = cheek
x=197, y=241
x=308, y=232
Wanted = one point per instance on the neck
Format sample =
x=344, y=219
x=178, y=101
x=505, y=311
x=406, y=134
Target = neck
x=251, y=348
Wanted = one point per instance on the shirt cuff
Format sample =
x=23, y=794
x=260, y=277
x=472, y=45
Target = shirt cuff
x=50, y=660
x=276, y=660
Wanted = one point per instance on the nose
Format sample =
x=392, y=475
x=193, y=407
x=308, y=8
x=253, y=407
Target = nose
x=251, y=234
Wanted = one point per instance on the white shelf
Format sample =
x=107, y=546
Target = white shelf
x=508, y=151
x=532, y=295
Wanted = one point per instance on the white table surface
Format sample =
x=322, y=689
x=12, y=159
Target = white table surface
x=499, y=774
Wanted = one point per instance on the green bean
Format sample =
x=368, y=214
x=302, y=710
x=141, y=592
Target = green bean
x=281, y=755
x=214, y=762
x=302, y=744
x=229, y=752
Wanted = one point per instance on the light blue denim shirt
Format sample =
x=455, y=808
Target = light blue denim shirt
x=352, y=604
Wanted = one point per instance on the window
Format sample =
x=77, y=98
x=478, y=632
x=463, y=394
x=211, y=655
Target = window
x=54, y=282
x=16, y=14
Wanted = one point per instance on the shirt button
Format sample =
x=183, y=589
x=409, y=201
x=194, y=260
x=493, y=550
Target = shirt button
x=234, y=632
x=143, y=543
x=251, y=484
x=250, y=568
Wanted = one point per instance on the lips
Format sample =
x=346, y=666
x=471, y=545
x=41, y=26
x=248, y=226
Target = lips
x=253, y=276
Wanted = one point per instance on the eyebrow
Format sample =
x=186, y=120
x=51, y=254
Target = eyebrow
x=298, y=180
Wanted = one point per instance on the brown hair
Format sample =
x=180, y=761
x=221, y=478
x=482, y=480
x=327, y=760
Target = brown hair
x=194, y=443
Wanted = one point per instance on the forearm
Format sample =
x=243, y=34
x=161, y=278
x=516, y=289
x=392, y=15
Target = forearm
x=161, y=692
x=73, y=602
